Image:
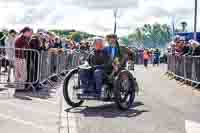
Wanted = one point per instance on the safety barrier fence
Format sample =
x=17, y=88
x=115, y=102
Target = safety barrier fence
x=186, y=68
x=28, y=67
x=20, y=66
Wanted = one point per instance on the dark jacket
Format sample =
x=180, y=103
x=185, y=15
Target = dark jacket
x=190, y=50
x=57, y=45
x=2, y=39
x=35, y=45
x=156, y=55
x=98, y=58
x=185, y=50
x=117, y=50
x=196, y=51
x=108, y=50
x=102, y=59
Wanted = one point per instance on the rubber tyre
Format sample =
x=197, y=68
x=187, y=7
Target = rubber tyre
x=66, y=90
x=117, y=95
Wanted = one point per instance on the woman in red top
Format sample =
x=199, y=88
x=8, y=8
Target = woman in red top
x=22, y=43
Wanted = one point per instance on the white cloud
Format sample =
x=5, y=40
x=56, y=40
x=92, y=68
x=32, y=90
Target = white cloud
x=106, y=4
x=93, y=15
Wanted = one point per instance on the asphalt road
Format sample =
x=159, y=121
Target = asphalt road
x=27, y=112
x=163, y=106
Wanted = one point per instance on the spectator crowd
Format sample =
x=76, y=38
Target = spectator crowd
x=181, y=47
x=183, y=59
x=148, y=56
x=14, y=47
x=45, y=40
x=26, y=64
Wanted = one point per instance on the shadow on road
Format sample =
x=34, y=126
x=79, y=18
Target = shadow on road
x=3, y=89
x=108, y=111
x=28, y=95
x=9, y=86
x=44, y=93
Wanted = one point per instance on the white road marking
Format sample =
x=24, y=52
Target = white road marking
x=65, y=123
x=192, y=127
x=72, y=125
x=68, y=121
x=27, y=123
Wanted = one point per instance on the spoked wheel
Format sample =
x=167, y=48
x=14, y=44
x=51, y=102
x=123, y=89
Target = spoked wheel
x=124, y=90
x=70, y=89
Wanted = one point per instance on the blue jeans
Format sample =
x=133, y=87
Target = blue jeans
x=92, y=79
x=98, y=76
x=86, y=78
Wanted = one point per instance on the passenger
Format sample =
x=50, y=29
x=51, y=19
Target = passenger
x=113, y=47
x=114, y=53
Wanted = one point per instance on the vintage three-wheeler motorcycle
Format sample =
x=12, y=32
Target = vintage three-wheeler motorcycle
x=119, y=87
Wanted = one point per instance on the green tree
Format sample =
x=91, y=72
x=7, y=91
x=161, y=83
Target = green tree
x=137, y=37
x=72, y=34
x=153, y=36
x=184, y=25
x=125, y=40
x=76, y=36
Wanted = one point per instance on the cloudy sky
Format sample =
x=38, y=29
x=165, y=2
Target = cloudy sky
x=94, y=16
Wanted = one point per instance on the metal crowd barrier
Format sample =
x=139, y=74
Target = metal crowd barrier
x=186, y=68
x=52, y=64
x=21, y=67
x=57, y=62
x=27, y=68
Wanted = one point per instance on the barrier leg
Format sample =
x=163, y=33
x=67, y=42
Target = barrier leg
x=52, y=85
x=196, y=86
x=35, y=93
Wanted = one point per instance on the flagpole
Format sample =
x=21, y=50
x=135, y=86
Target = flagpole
x=195, y=20
x=172, y=27
x=115, y=23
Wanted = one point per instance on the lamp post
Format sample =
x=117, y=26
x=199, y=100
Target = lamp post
x=195, y=20
x=115, y=17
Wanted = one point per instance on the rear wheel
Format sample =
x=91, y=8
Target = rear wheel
x=124, y=90
x=70, y=89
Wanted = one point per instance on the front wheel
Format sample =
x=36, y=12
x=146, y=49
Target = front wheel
x=124, y=90
x=70, y=88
